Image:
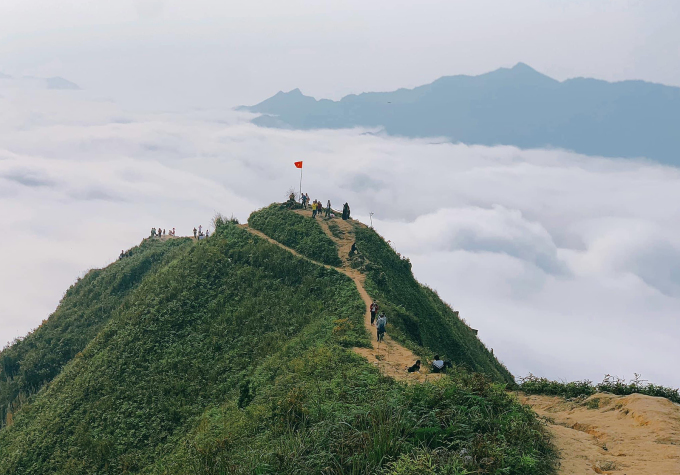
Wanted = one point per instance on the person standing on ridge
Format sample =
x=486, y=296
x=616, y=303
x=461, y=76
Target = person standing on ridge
x=374, y=311
x=194, y=233
x=199, y=229
x=328, y=209
x=381, y=324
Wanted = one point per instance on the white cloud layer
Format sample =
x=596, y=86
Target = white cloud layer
x=568, y=265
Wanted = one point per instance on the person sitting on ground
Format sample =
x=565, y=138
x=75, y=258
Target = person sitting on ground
x=437, y=364
x=380, y=325
x=374, y=310
x=415, y=367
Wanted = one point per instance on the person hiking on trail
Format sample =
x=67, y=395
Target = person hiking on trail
x=122, y=254
x=328, y=209
x=381, y=324
x=374, y=310
x=414, y=368
x=194, y=233
x=353, y=249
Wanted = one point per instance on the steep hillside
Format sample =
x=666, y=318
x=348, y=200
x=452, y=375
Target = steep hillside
x=516, y=106
x=29, y=363
x=235, y=356
x=419, y=315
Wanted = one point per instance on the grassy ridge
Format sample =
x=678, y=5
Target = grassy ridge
x=297, y=232
x=185, y=339
x=233, y=357
x=28, y=364
x=418, y=314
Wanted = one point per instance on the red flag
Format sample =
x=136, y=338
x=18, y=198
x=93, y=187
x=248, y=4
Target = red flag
x=298, y=164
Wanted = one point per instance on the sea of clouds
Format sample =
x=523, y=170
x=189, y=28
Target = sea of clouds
x=569, y=266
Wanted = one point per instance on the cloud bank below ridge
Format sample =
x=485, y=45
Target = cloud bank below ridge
x=566, y=264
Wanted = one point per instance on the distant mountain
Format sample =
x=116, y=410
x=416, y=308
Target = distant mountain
x=55, y=82
x=517, y=106
x=60, y=83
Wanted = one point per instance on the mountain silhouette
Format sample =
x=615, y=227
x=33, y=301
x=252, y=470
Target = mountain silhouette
x=517, y=106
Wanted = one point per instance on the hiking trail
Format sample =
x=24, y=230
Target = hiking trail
x=605, y=434
x=389, y=356
x=626, y=435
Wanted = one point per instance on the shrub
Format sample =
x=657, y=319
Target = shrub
x=534, y=385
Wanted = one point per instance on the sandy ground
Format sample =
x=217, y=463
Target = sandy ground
x=389, y=356
x=628, y=435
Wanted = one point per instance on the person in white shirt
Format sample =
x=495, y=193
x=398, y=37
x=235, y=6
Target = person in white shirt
x=437, y=364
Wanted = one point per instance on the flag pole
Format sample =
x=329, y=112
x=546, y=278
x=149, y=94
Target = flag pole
x=300, y=183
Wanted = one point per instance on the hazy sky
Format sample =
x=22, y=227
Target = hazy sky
x=155, y=53
x=566, y=264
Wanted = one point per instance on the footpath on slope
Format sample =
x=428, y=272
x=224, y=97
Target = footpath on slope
x=390, y=357
x=627, y=435
x=605, y=434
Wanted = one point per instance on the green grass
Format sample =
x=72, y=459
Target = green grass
x=297, y=232
x=232, y=356
x=535, y=385
x=31, y=362
x=419, y=318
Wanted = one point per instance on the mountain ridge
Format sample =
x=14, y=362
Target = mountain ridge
x=232, y=354
x=516, y=106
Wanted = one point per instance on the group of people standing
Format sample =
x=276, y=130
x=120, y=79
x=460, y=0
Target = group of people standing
x=318, y=207
x=161, y=232
x=198, y=234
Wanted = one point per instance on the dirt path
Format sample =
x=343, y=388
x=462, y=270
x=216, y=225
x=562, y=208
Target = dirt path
x=389, y=356
x=627, y=435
